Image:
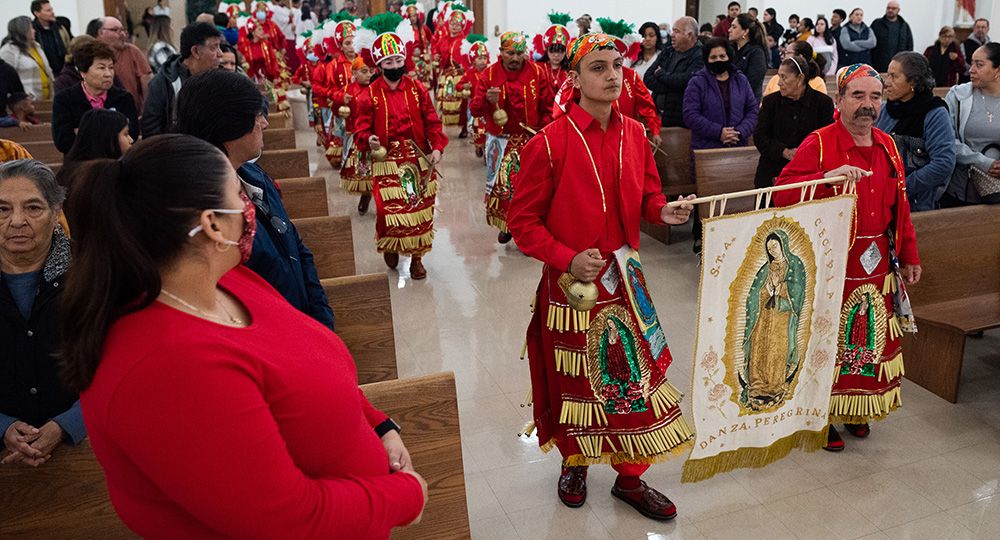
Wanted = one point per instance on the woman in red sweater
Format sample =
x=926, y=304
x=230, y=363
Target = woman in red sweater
x=216, y=409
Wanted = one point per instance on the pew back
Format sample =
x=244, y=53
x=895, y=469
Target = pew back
x=427, y=409
x=331, y=242
x=279, y=139
x=363, y=311
x=41, y=132
x=304, y=197
x=725, y=170
x=285, y=163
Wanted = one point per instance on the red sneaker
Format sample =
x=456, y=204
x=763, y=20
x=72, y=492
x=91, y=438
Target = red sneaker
x=647, y=501
x=833, y=441
x=573, y=486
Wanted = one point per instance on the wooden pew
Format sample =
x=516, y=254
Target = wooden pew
x=279, y=139
x=65, y=498
x=363, y=312
x=958, y=294
x=43, y=105
x=285, y=163
x=724, y=170
x=41, y=132
x=675, y=173
x=279, y=121
x=44, y=151
x=426, y=408
x=331, y=242
x=304, y=197
x=941, y=91
x=44, y=117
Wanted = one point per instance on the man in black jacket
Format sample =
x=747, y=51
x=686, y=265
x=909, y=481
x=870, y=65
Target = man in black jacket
x=200, y=52
x=49, y=34
x=669, y=76
x=892, y=35
x=96, y=62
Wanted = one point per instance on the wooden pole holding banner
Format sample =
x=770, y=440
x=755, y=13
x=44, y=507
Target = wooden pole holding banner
x=766, y=192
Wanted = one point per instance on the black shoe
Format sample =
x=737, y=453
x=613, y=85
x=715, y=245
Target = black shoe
x=858, y=430
x=504, y=237
x=697, y=247
x=366, y=199
x=833, y=441
x=464, y=134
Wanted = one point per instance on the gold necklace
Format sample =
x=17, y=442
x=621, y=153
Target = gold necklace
x=232, y=320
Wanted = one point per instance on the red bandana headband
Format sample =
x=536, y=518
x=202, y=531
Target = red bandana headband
x=586, y=44
x=854, y=72
x=513, y=41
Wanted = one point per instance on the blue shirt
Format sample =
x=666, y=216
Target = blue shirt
x=23, y=288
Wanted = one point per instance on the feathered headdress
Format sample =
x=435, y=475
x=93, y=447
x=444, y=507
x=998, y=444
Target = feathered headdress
x=476, y=45
x=383, y=36
x=628, y=42
x=560, y=18
x=231, y=8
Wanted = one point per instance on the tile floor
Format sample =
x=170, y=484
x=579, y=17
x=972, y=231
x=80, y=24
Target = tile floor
x=932, y=470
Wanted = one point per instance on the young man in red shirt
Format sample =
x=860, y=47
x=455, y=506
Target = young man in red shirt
x=599, y=388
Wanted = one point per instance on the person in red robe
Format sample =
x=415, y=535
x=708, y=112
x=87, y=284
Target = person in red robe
x=511, y=94
x=422, y=40
x=263, y=60
x=356, y=174
x=339, y=76
x=598, y=369
x=477, y=55
x=311, y=75
x=447, y=55
x=883, y=256
x=396, y=114
x=551, y=45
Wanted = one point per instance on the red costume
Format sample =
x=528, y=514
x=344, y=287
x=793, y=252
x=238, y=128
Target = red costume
x=401, y=117
x=356, y=175
x=870, y=367
x=599, y=388
x=637, y=103
x=448, y=53
x=526, y=97
x=471, y=80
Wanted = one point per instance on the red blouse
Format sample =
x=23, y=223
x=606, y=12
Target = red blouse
x=525, y=95
x=398, y=115
x=636, y=102
x=209, y=431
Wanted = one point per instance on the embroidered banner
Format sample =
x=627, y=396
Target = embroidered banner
x=771, y=289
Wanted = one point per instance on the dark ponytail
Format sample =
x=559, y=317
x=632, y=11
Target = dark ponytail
x=809, y=69
x=805, y=50
x=130, y=218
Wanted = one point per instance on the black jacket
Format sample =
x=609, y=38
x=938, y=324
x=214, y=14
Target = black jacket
x=884, y=50
x=29, y=384
x=52, y=43
x=159, y=110
x=70, y=104
x=668, y=78
x=10, y=82
x=784, y=123
x=752, y=61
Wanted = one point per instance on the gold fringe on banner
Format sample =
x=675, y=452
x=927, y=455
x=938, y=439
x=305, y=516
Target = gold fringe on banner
x=654, y=446
x=859, y=409
x=569, y=362
x=421, y=243
x=582, y=414
x=696, y=470
x=566, y=319
x=666, y=397
x=891, y=369
x=356, y=186
x=412, y=219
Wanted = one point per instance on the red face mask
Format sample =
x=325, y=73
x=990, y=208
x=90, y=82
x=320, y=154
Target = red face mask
x=245, y=243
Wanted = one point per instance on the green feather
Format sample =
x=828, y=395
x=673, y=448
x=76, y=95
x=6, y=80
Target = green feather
x=457, y=6
x=474, y=38
x=341, y=16
x=560, y=18
x=619, y=28
x=382, y=23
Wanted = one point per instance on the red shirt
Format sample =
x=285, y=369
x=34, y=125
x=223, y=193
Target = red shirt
x=338, y=75
x=398, y=115
x=881, y=197
x=636, y=102
x=525, y=95
x=562, y=207
x=208, y=431
x=449, y=49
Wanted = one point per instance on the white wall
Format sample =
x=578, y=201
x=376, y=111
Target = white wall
x=79, y=12
x=531, y=16
x=924, y=17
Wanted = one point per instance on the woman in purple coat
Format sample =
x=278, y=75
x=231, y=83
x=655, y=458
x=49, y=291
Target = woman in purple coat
x=719, y=105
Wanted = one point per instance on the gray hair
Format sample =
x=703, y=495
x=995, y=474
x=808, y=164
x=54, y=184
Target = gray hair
x=917, y=71
x=689, y=24
x=39, y=173
x=17, y=33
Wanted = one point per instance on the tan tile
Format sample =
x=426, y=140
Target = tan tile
x=557, y=522
x=487, y=413
x=496, y=528
x=501, y=448
x=777, y=480
x=938, y=526
x=945, y=483
x=884, y=499
x=524, y=486
x=753, y=522
x=483, y=504
x=982, y=517
x=982, y=460
x=820, y=514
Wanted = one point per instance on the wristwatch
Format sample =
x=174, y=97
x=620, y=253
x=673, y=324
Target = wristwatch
x=386, y=427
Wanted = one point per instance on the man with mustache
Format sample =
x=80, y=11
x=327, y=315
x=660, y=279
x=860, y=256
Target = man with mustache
x=510, y=94
x=598, y=369
x=883, y=256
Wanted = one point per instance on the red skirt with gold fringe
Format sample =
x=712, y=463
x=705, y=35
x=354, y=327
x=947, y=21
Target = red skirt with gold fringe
x=404, y=202
x=450, y=102
x=356, y=172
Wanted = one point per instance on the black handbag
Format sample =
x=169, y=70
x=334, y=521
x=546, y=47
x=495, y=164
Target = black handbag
x=912, y=150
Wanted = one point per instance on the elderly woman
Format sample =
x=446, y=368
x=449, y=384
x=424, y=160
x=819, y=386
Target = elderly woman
x=36, y=412
x=171, y=330
x=921, y=127
x=788, y=116
x=975, y=110
x=945, y=57
x=805, y=50
x=25, y=55
x=96, y=62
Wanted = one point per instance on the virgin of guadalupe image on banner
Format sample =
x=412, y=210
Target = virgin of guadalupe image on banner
x=770, y=298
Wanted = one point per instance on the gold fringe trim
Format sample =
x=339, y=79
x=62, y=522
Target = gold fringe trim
x=412, y=219
x=889, y=285
x=569, y=362
x=655, y=446
x=399, y=194
x=895, y=330
x=450, y=119
x=696, y=470
x=666, y=397
x=524, y=349
x=859, y=409
x=389, y=167
x=529, y=429
x=451, y=105
x=417, y=245
x=565, y=319
x=358, y=186
x=334, y=151
x=497, y=223
x=582, y=414
x=892, y=369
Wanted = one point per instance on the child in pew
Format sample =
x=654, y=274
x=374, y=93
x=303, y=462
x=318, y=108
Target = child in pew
x=22, y=111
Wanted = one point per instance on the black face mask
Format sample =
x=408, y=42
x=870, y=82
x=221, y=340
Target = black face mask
x=395, y=74
x=719, y=68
